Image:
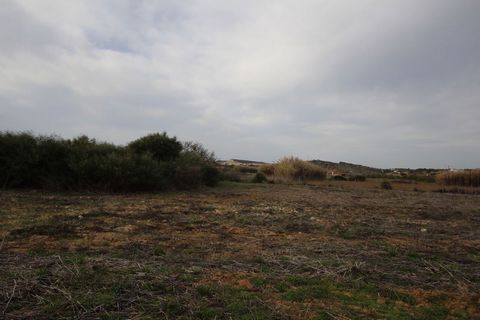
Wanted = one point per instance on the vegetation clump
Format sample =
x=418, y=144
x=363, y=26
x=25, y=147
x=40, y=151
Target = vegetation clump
x=259, y=178
x=295, y=169
x=386, y=185
x=467, y=178
x=268, y=169
x=153, y=162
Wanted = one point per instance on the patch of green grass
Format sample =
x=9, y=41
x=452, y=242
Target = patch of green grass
x=281, y=287
x=258, y=282
x=207, y=313
x=158, y=251
x=402, y=296
x=380, y=302
x=306, y=288
x=298, y=295
x=392, y=251
x=204, y=291
x=241, y=304
x=433, y=312
x=412, y=254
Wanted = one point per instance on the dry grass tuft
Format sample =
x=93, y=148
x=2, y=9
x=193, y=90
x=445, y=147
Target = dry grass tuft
x=468, y=178
x=292, y=168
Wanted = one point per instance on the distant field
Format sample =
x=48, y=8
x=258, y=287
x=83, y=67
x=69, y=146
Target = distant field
x=334, y=250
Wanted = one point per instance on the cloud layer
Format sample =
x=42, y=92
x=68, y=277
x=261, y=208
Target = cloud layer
x=387, y=84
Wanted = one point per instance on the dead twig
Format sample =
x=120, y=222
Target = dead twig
x=337, y=317
x=63, y=264
x=11, y=297
x=445, y=268
x=3, y=241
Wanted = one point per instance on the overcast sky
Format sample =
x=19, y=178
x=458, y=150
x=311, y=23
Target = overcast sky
x=391, y=83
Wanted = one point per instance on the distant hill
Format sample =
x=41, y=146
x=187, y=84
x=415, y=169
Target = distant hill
x=348, y=168
x=240, y=162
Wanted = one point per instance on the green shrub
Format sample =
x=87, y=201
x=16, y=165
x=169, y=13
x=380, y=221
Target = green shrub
x=188, y=177
x=259, y=178
x=154, y=162
x=210, y=175
x=197, y=149
x=161, y=146
x=18, y=158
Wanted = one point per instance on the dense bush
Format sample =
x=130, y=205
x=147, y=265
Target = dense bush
x=160, y=146
x=291, y=168
x=259, y=178
x=18, y=159
x=154, y=162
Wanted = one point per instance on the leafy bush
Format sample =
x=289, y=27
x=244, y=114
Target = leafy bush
x=161, y=146
x=18, y=157
x=210, y=175
x=188, y=177
x=197, y=149
x=259, y=178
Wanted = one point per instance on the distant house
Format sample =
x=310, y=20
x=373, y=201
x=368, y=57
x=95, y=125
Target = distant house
x=240, y=162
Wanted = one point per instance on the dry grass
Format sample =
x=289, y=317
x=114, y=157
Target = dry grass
x=295, y=169
x=267, y=169
x=466, y=178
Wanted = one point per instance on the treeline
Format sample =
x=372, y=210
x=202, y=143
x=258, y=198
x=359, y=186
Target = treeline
x=153, y=162
x=467, y=178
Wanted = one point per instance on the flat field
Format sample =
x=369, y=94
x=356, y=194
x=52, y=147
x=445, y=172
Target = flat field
x=241, y=251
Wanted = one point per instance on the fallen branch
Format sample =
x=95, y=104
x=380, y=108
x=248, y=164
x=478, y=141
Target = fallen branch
x=11, y=297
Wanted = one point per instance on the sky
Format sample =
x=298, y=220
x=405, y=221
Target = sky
x=383, y=83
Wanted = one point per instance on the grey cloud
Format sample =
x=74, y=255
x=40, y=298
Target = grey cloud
x=386, y=84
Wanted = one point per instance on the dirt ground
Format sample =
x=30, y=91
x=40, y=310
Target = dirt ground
x=242, y=251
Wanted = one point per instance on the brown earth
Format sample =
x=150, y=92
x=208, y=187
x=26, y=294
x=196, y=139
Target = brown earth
x=334, y=250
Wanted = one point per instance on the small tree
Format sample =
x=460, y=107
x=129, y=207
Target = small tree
x=160, y=146
x=197, y=149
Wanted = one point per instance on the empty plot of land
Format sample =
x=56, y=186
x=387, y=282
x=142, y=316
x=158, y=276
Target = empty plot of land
x=241, y=251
